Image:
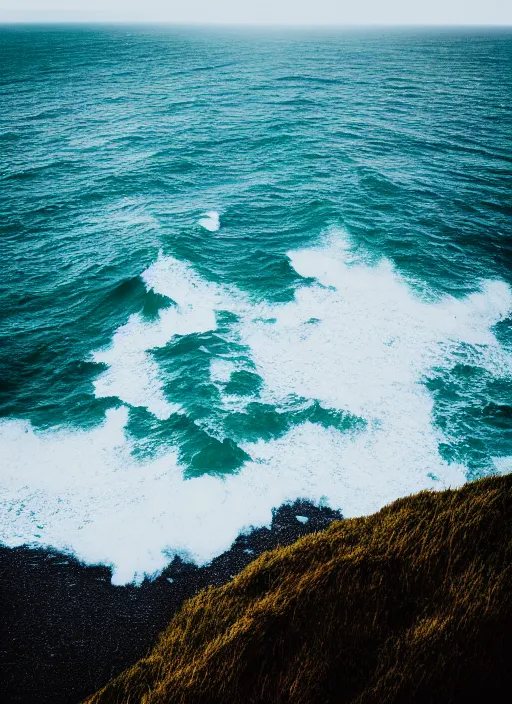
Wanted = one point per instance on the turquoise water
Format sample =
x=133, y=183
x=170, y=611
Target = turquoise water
x=240, y=268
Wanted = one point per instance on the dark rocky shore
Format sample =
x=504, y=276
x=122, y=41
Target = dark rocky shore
x=66, y=630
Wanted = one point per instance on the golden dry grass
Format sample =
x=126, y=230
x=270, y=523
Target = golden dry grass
x=412, y=604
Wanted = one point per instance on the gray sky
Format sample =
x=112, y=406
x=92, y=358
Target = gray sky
x=263, y=11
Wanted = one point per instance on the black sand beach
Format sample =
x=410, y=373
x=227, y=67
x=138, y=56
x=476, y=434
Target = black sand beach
x=66, y=630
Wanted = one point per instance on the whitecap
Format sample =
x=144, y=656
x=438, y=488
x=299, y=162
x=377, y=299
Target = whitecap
x=211, y=221
x=373, y=343
x=132, y=374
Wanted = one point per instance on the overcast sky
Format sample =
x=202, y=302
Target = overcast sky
x=263, y=11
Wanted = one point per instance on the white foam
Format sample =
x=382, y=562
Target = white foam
x=358, y=341
x=133, y=375
x=83, y=492
x=373, y=340
x=211, y=221
x=502, y=465
x=221, y=370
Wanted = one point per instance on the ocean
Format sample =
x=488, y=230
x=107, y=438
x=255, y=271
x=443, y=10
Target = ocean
x=241, y=268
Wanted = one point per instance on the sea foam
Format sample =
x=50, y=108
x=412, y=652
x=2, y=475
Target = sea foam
x=358, y=339
x=132, y=374
x=211, y=221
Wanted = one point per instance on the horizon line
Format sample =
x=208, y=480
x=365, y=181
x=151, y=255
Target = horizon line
x=258, y=23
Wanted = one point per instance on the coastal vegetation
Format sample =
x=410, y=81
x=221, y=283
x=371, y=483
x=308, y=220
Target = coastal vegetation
x=411, y=604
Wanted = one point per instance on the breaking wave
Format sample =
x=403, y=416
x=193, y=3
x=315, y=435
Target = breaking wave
x=356, y=342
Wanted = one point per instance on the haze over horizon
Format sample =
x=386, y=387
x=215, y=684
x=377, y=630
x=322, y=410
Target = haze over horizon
x=279, y=12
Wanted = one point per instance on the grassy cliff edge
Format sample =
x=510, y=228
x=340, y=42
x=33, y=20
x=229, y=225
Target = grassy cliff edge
x=411, y=604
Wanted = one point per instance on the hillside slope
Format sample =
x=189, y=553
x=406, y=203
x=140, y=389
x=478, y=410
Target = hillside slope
x=411, y=604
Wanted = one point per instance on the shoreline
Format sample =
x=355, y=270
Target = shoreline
x=67, y=630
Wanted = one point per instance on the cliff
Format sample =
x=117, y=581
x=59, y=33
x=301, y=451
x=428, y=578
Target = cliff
x=409, y=605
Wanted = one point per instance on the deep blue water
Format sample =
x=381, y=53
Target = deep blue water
x=244, y=267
